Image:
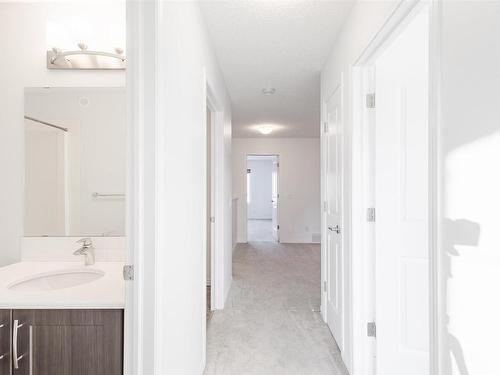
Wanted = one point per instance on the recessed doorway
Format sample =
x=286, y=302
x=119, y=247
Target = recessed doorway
x=262, y=198
x=394, y=188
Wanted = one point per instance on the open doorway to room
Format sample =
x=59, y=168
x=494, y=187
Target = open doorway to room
x=262, y=198
x=394, y=165
x=210, y=208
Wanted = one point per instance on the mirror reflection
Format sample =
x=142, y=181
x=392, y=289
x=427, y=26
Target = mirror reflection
x=75, y=161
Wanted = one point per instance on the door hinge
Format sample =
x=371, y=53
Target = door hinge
x=277, y=227
x=371, y=329
x=212, y=219
x=325, y=127
x=325, y=206
x=128, y=272
x=370, y=214
x=370, y=100
x=324, y=286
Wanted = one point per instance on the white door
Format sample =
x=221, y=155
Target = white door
x=333, y=214
x=275, y=199
x=401, y=185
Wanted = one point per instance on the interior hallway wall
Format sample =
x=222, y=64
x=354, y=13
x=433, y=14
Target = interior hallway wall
x=23, y=33
x=469, y=187
x=299, y=184
x=260, y=195
x=190, y=65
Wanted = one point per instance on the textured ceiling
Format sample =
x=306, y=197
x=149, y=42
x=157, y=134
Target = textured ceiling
x=279, y=44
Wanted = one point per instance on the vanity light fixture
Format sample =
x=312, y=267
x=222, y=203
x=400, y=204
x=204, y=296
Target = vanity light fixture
x=265, y=129
x=59, y=59
x=269, y=91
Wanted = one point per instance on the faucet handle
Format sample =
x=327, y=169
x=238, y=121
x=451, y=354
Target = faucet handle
x=87, y=241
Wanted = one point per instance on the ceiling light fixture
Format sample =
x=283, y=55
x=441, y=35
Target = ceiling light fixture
x=265, y=129
x=269, y=91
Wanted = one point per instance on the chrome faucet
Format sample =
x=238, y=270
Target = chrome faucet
x=86, y=250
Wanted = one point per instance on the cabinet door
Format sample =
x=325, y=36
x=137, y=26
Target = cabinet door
x=20, y=341
x=5, y=342
x=72, y=342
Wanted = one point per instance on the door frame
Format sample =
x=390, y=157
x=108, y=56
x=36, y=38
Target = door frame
x=146, y=155
x=212, y=223
x=143, y=121
x=278, y=187
x=363, y=82
x=217, y=193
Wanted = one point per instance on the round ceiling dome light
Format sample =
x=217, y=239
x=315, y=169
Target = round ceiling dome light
x=265, y=129
x=269, y=91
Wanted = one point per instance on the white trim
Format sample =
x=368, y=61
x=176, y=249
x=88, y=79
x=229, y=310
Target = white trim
x=401, y=10
x=435, y=23
x=140, y=300
x=362, y=293
x=246, y=191
x=213, y=199
x=399, y=16
x=323, y=308
x=218, y=267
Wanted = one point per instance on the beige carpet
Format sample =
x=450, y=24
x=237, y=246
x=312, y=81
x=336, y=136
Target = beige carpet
x=268, y=325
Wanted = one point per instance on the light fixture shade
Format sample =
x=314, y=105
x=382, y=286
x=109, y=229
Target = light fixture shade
x=265, y=129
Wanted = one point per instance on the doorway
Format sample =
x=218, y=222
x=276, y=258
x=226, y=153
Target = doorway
x=392, y=271
x=210, y=206
x=262, y=198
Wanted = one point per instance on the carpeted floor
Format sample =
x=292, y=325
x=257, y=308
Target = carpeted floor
x=270, y=324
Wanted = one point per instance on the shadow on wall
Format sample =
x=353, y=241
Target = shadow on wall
x=470, y=149
x=470, y=260
x=465, y=233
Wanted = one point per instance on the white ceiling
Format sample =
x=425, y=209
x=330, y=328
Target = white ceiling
x=279, y=44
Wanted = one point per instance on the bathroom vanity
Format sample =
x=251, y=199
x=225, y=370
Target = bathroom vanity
x=61, y=318
x=62, y=303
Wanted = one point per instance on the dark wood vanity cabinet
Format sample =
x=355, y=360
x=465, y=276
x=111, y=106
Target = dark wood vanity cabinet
x=63, y=342
x=5, y=344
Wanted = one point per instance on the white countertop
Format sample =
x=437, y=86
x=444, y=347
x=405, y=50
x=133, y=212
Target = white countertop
x=107, y=292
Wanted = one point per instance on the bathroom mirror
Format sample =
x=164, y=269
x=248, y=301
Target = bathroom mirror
x=75, y=161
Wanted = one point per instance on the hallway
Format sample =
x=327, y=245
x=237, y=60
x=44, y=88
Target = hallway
x=260, y=230
x=268, y=325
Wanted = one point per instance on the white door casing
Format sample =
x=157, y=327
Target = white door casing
x=275, y=198
x=333, y=214
x=401, y=186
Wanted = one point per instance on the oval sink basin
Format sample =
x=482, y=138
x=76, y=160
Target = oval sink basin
x=56, y=280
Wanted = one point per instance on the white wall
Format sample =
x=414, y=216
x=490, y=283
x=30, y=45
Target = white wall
x=23, y=36
x=261, y=185
x=470, y=187
x=299, y=184
x=188, y=60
